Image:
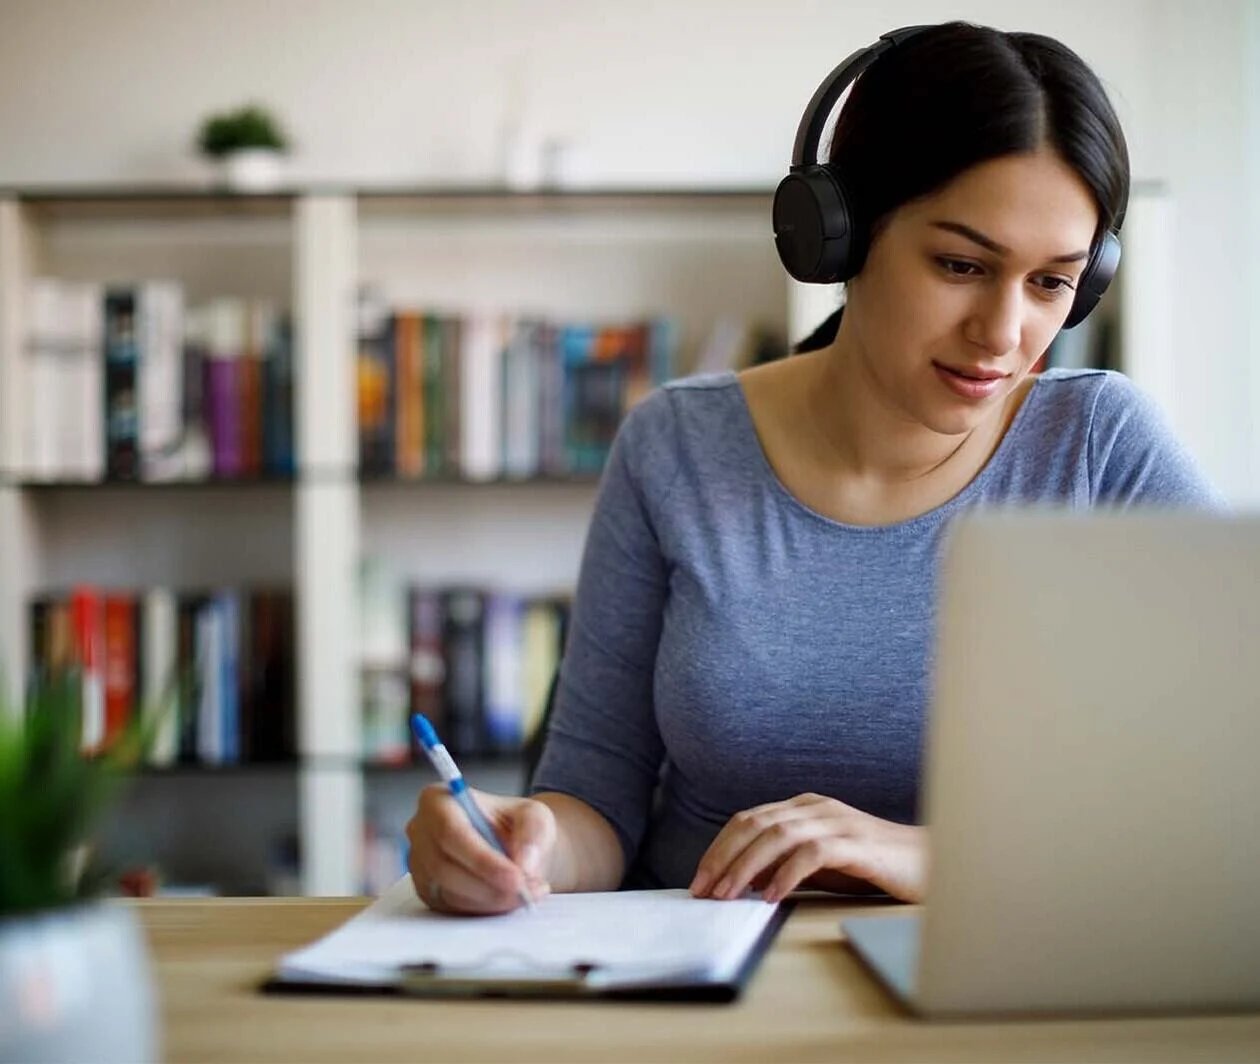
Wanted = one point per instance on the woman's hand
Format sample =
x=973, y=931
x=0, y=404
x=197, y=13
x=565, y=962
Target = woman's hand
x=816, y=842
x=455, y=870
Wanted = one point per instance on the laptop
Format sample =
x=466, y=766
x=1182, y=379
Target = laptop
x=1092, y=783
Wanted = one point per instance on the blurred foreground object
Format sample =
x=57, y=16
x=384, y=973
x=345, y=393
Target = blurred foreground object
x=75, y=979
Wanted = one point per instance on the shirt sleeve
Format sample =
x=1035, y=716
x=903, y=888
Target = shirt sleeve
x=1135, y=458
x=603, y=746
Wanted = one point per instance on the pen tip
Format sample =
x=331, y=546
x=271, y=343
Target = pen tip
x=424, y=730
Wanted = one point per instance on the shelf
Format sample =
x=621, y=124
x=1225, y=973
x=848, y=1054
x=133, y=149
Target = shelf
x=87, y=202
x=213, y=484
x=156, y=204
x=367, y=480
x=320, y=762
x=183, y=770
x=386, y=480
x=467, y=764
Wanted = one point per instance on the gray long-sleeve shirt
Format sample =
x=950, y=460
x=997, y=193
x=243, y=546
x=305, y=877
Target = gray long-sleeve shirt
x=733, y=647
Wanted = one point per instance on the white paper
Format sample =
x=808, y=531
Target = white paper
x=627, y=936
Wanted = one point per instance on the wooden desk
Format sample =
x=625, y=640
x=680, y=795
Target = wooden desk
x=810, y=1000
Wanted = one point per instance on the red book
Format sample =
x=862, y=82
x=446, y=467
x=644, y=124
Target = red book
x=120, y=663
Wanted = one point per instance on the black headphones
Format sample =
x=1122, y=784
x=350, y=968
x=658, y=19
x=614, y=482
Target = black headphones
x=815, y=228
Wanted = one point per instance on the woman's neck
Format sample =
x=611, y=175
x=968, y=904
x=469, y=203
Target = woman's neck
x=860, y=430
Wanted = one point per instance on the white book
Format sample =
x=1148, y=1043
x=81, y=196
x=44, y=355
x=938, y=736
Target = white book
x=382, y=616
x=43, y=412
x=505, y=709
x=481, y=397
x=84, y=384
x=159, y=687
x=522, y=402
x=161, y=373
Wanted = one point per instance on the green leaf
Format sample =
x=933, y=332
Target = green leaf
x=53, y=796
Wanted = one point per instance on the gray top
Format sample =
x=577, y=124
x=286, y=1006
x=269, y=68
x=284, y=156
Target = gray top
x=741, y=648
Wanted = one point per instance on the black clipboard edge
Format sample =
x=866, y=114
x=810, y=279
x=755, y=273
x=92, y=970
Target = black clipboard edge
x=722, y=993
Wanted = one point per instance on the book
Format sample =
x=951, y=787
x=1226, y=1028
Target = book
x=643, y=944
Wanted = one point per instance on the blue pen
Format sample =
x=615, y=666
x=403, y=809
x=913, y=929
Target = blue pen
x=454, y=780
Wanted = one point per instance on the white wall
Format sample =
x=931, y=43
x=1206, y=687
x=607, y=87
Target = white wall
x=682, y=92
x=1252, y=184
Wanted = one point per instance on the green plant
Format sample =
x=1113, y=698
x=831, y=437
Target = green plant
x=251, y=126
x=52, y=797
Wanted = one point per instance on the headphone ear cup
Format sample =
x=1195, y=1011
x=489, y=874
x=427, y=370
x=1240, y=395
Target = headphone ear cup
x=1104, y=259
x=813, y=226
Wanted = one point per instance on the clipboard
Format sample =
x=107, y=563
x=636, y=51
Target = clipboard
x=638, y=946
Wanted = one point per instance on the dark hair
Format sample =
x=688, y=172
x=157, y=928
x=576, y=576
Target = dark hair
x=957, y=95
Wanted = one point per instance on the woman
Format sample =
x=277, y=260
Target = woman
x=743, y=692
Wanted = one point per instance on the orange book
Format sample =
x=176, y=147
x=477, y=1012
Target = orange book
x=409, y=358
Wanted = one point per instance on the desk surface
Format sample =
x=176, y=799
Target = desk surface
x=810, y=1000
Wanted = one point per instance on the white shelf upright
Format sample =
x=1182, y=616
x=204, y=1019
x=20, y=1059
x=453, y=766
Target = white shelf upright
x=327, y=546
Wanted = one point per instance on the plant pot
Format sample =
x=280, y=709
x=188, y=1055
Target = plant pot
x=75, y=985
x=252, y=170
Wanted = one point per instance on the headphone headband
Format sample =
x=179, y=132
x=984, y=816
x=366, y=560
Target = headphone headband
x=814, y=120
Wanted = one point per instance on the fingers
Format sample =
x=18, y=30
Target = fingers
x=772, y=828
x=454, y=869
x=529, y=834
x=450, y=887
x=837, y=855
x=772, y=848
x=778, y=847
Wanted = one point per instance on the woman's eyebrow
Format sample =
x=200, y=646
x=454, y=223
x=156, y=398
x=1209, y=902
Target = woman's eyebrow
x=989, y=244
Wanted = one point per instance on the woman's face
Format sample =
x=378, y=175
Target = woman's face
x=963, y=290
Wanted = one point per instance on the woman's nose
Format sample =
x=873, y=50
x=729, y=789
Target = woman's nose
x=996, y=321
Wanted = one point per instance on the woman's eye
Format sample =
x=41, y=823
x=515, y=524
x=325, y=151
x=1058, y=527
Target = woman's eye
x=1054, y=285
x=957, y=267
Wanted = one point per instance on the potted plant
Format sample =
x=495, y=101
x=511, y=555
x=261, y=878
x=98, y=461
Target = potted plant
x=248, y=144
x=75, y=981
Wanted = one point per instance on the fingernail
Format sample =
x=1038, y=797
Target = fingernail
x=531, y=858
x=700, y=884
x=723, y=889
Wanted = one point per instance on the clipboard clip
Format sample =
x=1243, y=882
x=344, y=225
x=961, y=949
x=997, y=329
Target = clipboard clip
x=428, y=979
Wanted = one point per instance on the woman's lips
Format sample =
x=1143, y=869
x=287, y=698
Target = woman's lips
x=971, y=383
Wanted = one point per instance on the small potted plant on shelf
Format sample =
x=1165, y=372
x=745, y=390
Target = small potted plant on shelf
x=75, y=980
x=248, y=144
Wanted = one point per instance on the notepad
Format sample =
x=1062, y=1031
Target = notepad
x=642, y=943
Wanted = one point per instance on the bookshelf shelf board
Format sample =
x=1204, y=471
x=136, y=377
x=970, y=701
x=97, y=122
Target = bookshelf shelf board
x=202, y=771
x=467, y=764
x=212, y=484
x=371, y=480
x=88, y=202
x=147, y=203
x=471, y=202
x=319, y=762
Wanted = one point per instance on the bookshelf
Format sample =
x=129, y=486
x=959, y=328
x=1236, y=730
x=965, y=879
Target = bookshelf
x=693, y=255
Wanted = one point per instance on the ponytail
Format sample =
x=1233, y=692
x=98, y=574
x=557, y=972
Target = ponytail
x=821, y=337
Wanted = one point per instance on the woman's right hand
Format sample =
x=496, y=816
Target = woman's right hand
x=455, y=870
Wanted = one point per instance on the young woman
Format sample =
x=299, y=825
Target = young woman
x=743, y=691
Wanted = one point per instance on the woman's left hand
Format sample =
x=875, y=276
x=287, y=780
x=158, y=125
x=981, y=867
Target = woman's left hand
x=813, y=841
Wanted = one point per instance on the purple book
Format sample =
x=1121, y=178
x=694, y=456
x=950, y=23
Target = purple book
x=223, y=416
